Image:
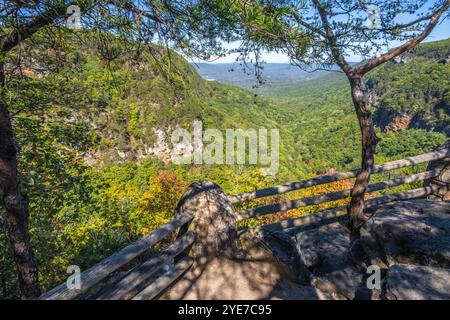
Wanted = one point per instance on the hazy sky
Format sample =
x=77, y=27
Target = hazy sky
x=442, y=31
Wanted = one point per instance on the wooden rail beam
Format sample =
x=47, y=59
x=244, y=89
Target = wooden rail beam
x=134, y=280
x=161, y=284
x=329, y=215
x=339, y=176
x=332, y=196
x=123, y=289
x=103, y=269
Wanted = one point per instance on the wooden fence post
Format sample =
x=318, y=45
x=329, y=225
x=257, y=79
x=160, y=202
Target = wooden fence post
x=442, y=182
x=214, y=220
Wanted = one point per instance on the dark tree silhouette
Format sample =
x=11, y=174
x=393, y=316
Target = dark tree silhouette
x=187, y=25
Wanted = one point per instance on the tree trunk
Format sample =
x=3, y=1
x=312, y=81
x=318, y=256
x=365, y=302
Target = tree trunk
x=369, y=141
x=15, y=204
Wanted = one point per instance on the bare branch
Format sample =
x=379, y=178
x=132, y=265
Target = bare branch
x=335, y=50
x=412, y=23
x=303, y=23
x=391, y=54
x=132, y=8
x=10, y=41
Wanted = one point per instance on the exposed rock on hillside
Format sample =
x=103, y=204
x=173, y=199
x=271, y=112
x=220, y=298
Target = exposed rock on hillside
x=404, y=58
x=408, y=242
x=390, y=120
x=402, y=100
x=409, y=282
x=326, y=254
x=412, y=232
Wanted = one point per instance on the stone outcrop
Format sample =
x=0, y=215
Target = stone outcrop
x=399, y=123
x=403, y=58
x=390, y=120
x=214, y=221
x=409, y=282
x=410, y=232
x=402, y=252
x=323, y=257
x=400, y=239
x=327, y=256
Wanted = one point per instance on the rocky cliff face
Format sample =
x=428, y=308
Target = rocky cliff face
x=390, y=120
x=413, y=92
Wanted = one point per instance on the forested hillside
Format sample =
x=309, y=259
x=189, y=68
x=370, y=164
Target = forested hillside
x=401, y=98
x=405, y=100
x=95, y=169
x=323, y=124
x=88, y=161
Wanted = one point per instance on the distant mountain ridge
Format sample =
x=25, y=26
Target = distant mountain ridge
x=411, y=92
x=274, y=74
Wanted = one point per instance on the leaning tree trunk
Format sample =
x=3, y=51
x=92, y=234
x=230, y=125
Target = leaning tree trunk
x=369, y=141
x=15, y=204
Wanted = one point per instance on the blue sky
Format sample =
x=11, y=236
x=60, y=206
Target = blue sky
x=442, y=31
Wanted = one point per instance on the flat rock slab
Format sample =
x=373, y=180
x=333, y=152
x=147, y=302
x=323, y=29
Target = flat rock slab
x=324, y=249
x=326, y=253
x=227, y=279
x=410, y=232
x=409, y=282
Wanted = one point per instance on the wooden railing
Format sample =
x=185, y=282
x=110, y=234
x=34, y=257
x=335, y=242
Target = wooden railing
x=339, y=176
x=159, y=271
x=339, y=195
x=149, y=279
